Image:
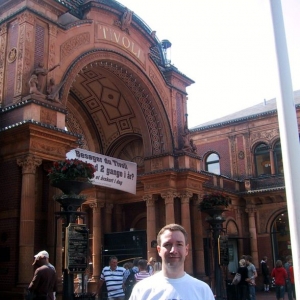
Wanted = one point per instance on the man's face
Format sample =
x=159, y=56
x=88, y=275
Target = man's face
x=113, y=264
x=173, y=249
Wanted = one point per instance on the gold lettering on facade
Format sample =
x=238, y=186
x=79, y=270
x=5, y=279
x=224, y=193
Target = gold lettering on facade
x=120, y=38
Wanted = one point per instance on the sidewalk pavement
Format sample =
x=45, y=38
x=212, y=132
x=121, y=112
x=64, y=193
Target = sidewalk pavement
x=265, y=296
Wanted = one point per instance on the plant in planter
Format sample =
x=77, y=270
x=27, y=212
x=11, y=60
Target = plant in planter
x=214, y=200
x=71, y=175
x=71, y=169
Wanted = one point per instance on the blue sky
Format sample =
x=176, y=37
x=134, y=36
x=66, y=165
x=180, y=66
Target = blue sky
x=226, y=47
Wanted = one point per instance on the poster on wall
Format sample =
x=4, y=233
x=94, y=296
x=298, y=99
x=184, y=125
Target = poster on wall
x=110, y=172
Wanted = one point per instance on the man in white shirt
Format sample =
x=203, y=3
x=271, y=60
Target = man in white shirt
x=172, y=283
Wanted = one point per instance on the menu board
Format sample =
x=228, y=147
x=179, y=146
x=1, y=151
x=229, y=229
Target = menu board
x=77, y=244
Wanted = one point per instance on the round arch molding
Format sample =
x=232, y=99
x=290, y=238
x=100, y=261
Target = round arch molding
x=157, y=134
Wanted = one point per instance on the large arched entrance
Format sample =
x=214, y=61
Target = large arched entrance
x=113, y=104
x=280, y=237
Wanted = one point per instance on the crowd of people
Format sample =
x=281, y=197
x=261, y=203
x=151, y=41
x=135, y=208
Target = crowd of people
x=142, y=280
x=281, y=277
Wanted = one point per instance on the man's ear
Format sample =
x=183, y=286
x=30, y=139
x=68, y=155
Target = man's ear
x=187, y=249
x=158, y=248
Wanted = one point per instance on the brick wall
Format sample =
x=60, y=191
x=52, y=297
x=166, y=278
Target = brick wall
x=9, y=223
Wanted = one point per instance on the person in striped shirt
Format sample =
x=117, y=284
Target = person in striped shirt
x=112, y=275
x=143, y=273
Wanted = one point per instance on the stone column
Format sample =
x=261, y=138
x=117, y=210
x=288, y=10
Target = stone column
x=197, y=227
x=239, y=216
x=54, y=246
x=118, y=218
x=97, y=235
x=251, y=210
x=272, y=162
x=151, y=224
x=27, y=217
x=169, y=204
x=108, y=217
x=186, y=223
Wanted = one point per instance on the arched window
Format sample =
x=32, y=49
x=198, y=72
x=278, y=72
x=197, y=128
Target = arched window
x=262, y=159
x=278, y=158
x=212, y=163
x=281, y=239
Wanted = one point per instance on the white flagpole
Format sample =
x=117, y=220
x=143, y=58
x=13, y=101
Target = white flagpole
x=289, y=136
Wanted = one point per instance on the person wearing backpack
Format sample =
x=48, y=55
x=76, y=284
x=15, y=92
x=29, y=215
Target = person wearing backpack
x=129, y=278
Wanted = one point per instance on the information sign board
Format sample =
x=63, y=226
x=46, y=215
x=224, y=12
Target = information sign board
x=76, y=250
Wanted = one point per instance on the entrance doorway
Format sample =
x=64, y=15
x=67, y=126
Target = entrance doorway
x=280, y=235
x=125, y=246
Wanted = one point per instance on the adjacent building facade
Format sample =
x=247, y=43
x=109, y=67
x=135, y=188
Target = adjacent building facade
x=92, y=74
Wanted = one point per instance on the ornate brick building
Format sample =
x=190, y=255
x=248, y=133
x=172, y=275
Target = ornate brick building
x=92, y=74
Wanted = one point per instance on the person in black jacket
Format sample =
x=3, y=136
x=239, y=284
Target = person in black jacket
x=266, y=273
x=242, y=286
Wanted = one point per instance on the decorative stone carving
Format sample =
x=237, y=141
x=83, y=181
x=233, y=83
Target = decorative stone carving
x=41, y=72
x=12, y=55
x=125, y=20
x=73, y=44
x=53, y=90
x=29, y=164
x=33, y=86
x=265, y=135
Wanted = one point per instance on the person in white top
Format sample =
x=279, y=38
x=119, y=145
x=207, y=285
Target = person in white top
x=172, y=283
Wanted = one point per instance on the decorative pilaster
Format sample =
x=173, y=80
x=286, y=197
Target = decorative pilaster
x=3, y=41
x=234, y=165
x=239, y=217
x=108, y=217
x=97, y=234
x=52, y=40
x=169, y=204
x=251, y=210
x=186, y=223
x=27, y=217
x=25, y=48
x=151, y=224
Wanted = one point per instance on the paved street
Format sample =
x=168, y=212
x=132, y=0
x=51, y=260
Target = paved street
x=266, y=296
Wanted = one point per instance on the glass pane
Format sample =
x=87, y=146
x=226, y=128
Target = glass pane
x=212, y=157
x=262, y=160
x=213, y=164
x=214, y=168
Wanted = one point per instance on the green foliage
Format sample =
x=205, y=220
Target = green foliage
x=212, y=200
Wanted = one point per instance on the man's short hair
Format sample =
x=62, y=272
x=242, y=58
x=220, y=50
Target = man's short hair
x=172, y=227
x=142, y=264
x=248, y=258
x=112, y=257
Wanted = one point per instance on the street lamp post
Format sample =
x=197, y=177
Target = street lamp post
x=215, y=221
x=70, y=202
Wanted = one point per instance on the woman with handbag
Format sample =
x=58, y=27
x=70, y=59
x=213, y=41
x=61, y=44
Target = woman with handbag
x=242, y=286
